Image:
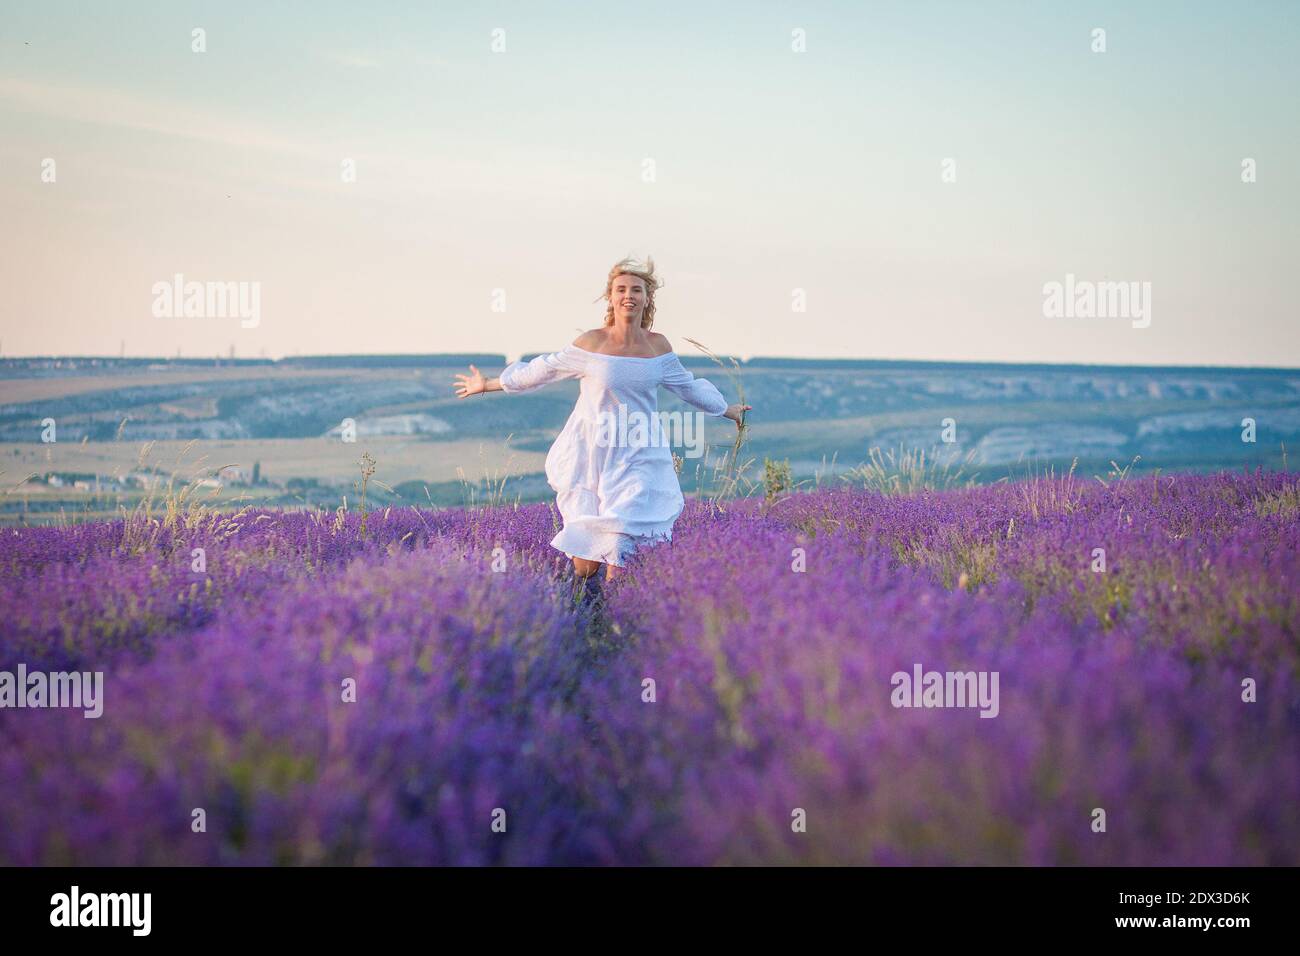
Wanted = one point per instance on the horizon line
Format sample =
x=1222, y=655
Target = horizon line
x=267, y=360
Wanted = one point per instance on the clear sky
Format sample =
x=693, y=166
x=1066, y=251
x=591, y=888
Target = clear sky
x=524, y=170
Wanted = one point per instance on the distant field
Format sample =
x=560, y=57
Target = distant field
x=329, y=460
x=39, y=389
x=443, y=466
x=1009, y=420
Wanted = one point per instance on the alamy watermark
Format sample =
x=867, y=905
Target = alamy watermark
x=75, y=908
x=179, y=299
x=946, y=689
x=56, y=689
x=636, y=429
x=1084, y=299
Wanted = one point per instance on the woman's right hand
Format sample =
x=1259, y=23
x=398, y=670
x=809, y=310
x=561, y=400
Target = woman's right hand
x=470, y=384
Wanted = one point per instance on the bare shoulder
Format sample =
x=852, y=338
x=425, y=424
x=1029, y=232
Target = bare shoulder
x=593, y=340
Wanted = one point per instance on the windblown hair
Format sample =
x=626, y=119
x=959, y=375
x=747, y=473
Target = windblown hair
x=646, y=273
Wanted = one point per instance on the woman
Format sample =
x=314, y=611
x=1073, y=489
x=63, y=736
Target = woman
x=613, y=495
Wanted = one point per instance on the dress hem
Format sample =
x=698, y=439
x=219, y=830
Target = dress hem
x=612, y=547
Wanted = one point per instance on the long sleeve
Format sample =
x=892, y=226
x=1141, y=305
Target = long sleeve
x=551, y=367
x=699, y=392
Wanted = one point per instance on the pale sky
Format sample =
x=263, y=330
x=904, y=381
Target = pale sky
x=525, y=170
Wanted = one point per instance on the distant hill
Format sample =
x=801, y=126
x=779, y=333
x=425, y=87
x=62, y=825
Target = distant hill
x=804, y=409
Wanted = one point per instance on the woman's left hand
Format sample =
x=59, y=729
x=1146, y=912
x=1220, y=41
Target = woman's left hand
x=736, y=413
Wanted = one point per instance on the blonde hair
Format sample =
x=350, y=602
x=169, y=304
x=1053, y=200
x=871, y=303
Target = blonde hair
x=646, y=273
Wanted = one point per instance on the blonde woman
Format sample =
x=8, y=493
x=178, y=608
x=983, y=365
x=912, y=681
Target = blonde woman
x=613, y=495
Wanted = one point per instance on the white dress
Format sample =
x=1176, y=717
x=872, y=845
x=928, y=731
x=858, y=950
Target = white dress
x=615, y=488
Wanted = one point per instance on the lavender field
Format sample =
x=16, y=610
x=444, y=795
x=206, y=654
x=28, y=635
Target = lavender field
x=420, y=686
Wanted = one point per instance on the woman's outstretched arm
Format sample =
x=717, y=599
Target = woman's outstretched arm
x=474, y=383
x=525, y=376
x=700, y=392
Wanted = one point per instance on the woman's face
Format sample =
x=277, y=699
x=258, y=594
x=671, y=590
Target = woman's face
x=627, y=295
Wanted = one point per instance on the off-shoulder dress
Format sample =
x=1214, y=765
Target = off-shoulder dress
x=615, y=487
